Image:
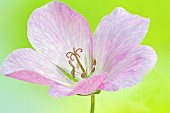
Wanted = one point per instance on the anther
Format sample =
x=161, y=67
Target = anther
x=93, y=62
x=83, y=75
x=93, y=69
x=73, y=72
x=71, y=64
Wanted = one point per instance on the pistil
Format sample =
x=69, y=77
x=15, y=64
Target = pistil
x=77, y=56
x=78, y=61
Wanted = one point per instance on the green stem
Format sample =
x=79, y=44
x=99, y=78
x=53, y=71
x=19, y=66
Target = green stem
x=92, y=103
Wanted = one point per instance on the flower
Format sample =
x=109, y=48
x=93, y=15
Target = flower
x=71, y=62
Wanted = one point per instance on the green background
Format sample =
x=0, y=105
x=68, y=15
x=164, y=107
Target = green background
x=150, y=96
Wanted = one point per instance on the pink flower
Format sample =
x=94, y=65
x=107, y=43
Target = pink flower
x=71, y=62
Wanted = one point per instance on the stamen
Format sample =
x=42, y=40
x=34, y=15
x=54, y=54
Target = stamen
x=78, y=72
x=83, y=75
x=71, y=64
x=93, y=62
x=73, y=72
x=93, y=69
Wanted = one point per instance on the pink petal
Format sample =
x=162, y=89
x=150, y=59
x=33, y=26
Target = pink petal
x=55, y=29
x=116, y=35
x=28, y=65
x=108, y=86
x=84, y=87
x=58, y=90
x=131, y=69
x=89, y=86
x=31, y=77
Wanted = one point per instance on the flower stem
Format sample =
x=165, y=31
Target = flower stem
x=92, y=103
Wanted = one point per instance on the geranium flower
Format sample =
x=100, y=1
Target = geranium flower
x=71, y=62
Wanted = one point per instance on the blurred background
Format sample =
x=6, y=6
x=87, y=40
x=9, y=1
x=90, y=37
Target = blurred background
x=150, y=96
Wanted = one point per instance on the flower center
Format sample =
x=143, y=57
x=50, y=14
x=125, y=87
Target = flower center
x=75, y=54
